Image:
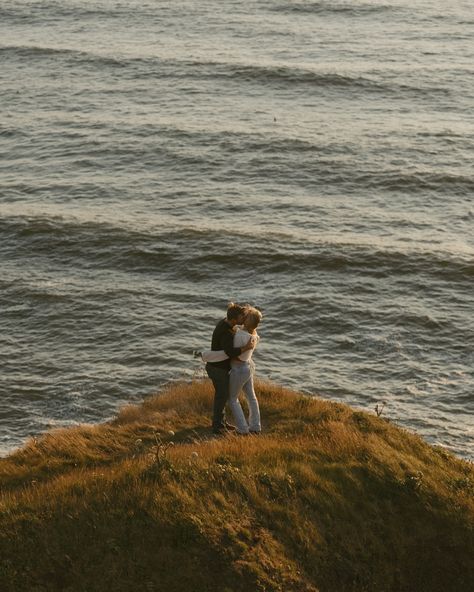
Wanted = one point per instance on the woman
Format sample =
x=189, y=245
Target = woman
x=241, y=373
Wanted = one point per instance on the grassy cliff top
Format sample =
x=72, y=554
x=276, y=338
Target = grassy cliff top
x=327, y=499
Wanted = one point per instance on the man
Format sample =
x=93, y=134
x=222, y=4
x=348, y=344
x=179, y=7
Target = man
x=218, y=372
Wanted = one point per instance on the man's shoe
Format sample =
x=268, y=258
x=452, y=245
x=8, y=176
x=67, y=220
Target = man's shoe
x=255, y=432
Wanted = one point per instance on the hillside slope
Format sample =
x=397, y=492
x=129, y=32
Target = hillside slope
x=328, y=499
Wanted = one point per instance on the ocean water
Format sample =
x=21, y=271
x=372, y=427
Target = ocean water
x=160, y=158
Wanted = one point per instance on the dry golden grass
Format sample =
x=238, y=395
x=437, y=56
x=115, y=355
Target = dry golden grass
x=327, y=499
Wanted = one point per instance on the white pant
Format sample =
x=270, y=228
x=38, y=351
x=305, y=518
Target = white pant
x=241, y=378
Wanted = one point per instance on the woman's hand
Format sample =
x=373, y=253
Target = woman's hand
x=249, y=345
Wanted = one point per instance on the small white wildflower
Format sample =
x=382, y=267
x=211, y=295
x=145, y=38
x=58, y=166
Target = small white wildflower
x=170, y=433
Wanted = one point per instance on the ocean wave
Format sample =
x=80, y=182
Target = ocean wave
x=414, y=182
x=34, y=50
x=50, y=11
x=223, y=156
x=287, y=75
x=46, y=12
x=185, y=250
x=158, y=67
x=276, y=75
x=45, y=52
x=12, y=132
x=323, y=7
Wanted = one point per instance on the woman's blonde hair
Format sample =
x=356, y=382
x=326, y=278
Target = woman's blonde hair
x=252, y=317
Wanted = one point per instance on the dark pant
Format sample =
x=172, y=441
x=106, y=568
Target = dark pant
x=220, y=380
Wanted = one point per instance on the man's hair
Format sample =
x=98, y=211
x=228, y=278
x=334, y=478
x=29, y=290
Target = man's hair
x=234, y=311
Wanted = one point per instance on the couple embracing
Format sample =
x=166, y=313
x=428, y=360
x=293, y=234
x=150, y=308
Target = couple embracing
x=229, y=365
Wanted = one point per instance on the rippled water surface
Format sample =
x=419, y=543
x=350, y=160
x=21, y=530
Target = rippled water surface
x=158, y=159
